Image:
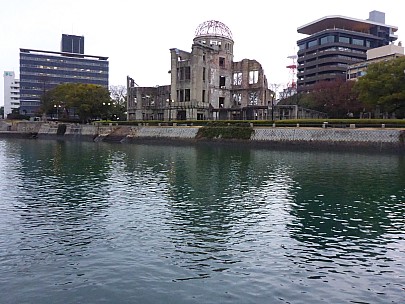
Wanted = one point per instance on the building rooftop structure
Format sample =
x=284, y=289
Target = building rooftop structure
x=213, y=28
x=66, y=54
x=346, y=23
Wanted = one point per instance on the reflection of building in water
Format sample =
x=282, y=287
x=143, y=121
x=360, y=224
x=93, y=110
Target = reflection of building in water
x=206, y=84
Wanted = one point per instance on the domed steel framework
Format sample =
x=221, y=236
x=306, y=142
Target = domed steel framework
x=213, y=28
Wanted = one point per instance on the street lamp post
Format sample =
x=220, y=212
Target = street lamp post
x=107, y=110
x=57, y=110
x=170, y=108
x=272, y=106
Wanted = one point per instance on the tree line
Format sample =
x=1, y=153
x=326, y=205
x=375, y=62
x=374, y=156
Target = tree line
x=87, y=102
x=380, y=92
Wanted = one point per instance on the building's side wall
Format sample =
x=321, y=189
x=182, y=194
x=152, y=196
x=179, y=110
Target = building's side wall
x=11, y=93
x=386, y=50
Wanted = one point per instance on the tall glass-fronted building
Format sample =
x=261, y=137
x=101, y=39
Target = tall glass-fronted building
x=334, y=42
x=43, y=70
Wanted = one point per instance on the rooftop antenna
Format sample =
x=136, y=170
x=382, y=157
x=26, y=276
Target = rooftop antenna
x=292, y=85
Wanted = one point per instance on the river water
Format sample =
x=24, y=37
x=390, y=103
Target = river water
x=85, y=222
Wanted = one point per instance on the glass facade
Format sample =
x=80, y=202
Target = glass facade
x=328, y=39
x=332, y=44
x=42, y=70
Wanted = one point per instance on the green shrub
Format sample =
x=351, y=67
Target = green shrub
x=225, y=132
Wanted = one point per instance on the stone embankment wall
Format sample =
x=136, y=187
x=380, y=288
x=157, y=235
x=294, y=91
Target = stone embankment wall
x=316, y=137
x=327, y=135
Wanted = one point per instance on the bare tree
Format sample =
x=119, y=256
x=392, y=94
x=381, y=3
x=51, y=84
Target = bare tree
x=118, y=94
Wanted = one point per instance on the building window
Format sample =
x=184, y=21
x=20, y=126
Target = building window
x=187, y=95
x=222, y=82
x=237, y=78
x=237, y=98
x=253, y=77
x=183, y=73
x=180, y=74
x=180, y=95
x=301, y=47
x=187, y=73
x=204, y=71
x=203, y=96
x=368, y=43
x=253, y=98
x=358, y=41
x=344, y=39
x=222, y=62
x=221, y=102
x=312, y=43
x=327, y=39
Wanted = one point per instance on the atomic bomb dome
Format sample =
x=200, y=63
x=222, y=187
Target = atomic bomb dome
x=213, y=28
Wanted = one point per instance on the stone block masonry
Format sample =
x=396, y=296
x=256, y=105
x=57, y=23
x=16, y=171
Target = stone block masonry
x=268, y=137
x=326, y=135
x=166, y=132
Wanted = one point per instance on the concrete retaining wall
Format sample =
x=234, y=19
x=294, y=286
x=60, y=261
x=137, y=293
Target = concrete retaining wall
x=383, y=138
x=327, y=135
x=165, y=132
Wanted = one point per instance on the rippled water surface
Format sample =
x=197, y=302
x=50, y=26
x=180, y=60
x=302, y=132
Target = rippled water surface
x=98, y=223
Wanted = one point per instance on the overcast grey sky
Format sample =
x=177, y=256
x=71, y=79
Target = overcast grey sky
x=137, y=35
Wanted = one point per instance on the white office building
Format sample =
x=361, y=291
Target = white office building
x=11, y=93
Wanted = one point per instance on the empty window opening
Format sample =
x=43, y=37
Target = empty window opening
x=237, y=78
x=253, y=98
x=253, y=77
x=222, y=62
x=221, y=102
x=203, y=76
x=237, y=99
x=203, y=96
x=222, y=81
x=187, y=95
x=187, y=73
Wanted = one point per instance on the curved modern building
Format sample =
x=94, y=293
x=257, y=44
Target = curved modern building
x=335, y=42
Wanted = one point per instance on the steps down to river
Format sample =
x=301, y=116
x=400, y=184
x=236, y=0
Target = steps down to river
x=117, y=135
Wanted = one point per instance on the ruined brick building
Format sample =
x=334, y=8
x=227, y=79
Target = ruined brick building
x=206, y=84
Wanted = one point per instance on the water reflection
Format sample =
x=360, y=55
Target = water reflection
x=252, y=224
x=59, y=189
x=348, y=222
